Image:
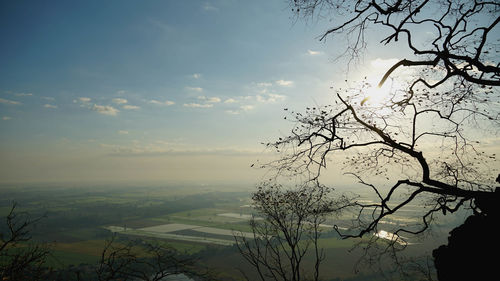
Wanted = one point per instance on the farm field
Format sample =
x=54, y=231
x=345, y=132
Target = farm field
x=217, y=236
x=76, y=223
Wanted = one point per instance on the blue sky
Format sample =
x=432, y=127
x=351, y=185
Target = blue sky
x=103, y=91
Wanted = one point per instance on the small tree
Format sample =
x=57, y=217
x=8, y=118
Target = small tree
x=286, y=229
x=20, y=258
x=23, y=259
x=135, y=260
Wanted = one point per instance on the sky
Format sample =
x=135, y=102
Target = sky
x=156, y=91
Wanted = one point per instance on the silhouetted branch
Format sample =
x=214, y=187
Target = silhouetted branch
x=20, y=258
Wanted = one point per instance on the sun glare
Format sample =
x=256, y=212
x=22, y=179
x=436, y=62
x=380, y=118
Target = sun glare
x=390, y=236
x=375, y=96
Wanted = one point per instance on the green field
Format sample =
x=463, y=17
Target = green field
x=199, y=222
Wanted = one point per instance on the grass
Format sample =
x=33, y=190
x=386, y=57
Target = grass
x=88, y=247
x=62, y=259
x=336, y=243
x=184, y=247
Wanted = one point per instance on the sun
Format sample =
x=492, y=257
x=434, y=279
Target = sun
x=375, y=96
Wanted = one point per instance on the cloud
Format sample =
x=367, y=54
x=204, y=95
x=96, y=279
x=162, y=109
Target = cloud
x=23, y=94
x=84, y=99
x=263, y=91
x=121, y=92
x=284, y=83
x=123, y=132
x=271, y=98
x=162, y=26
x=210, y=100
x=49, y=105
x=167, y=102
x=196, y=75
x=11, y=102
x=119, y=101
x=105, y=109
x=383, y=64
x=195, y=89
x=232, y=112
x=276, y=97
x=247, y=107
x=5, y=118
x=197, y=105
x=260, y=98
x=240, y=109
x=209, y=7
x=264, y=84
x=155, y=149
x=83, y=102
x=313, y=53
x=130, y=107
x=230, y=100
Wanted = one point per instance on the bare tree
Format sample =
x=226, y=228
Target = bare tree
x=287, y=229
x=418, y=140
x=135, y=260
x=459, y=33
x=20, y=258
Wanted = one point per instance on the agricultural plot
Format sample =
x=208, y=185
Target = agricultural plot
x=238, y=216
x=166, y=228
x=171, y=231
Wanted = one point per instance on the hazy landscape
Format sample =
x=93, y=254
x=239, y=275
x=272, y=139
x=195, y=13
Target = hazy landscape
x=196, y=220
x=230, y=140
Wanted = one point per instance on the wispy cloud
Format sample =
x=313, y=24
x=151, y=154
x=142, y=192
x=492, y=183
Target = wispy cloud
x=198, y=105
x=240, y=109
x=155, y=149
x=49, y=105
x=270, y=98
x=313, y=53
x=209, y=7
x=83, y=102
x=105, y=109
x=23, y=94
x=214, y=100
x=164, y=27
x=196, y=75
x=379, y=63
x=122, y=132
x=10, y=102
x=284, y=83
x=195, y=89
x=5, y=118
x=119, y=101
x=230, y=100
x=247, y=107
x=232, y=112
x=130, y=107
x=157, y=102
x=210, y=99
x=84, y=99
x=264, y=84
